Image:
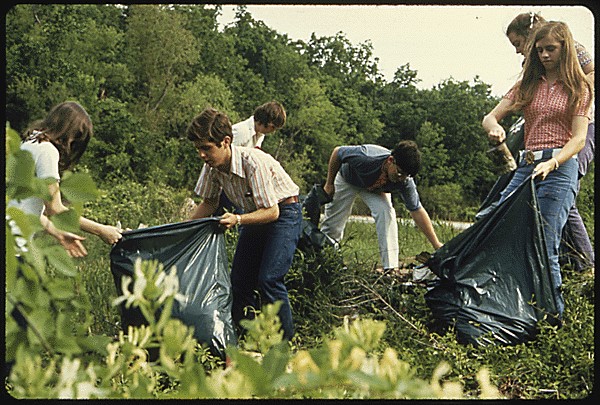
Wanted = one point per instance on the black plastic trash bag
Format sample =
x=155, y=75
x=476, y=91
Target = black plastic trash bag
x=311, y=237
x=494, y=276
x=515, y=142
x=313, y=201
x=197, y=249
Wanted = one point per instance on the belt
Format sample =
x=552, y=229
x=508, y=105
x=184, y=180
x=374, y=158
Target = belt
x=289, y=200
x=530, y=156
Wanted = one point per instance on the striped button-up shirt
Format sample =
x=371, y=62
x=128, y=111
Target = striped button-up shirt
x=547, y=120
x=255, y=180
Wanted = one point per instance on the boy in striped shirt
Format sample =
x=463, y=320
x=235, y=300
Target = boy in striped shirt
x=269, y=228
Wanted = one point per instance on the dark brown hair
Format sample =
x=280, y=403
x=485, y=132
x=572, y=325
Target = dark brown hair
x=408, y=157
x=210, y=125
x=270, y=113
x=524, y=23
x=68, y=127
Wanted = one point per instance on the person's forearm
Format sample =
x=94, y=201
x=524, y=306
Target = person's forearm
x=260, y=216
x=48, y=225
x=491, y=122
x=423, y=222
x=205, y=209
x=333, y=166
x=90, y=226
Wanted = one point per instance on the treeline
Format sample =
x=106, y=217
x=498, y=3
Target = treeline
x=144, y=71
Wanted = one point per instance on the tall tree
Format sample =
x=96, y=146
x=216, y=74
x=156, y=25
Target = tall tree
x=160, y=51
x=435, y=168
x=458, y=108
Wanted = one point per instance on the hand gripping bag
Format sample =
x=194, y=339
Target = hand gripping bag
x=197, y=249
x=495, y=282
x=515, y=142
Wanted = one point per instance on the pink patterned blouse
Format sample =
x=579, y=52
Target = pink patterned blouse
x=547, y=122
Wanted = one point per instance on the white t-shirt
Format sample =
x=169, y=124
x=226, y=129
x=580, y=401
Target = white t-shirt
x=245, y=135
x=46, y=158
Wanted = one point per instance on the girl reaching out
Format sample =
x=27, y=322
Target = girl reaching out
x=56, y=143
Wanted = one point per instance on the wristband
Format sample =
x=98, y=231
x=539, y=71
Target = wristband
x=557, y=164
x=239, y=219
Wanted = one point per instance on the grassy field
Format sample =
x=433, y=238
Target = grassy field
x=327, y=287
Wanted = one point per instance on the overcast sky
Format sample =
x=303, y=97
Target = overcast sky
x=439, y=42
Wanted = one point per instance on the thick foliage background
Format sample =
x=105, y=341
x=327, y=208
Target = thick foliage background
x=144, y=71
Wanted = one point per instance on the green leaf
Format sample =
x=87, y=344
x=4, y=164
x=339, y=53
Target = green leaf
x=67, y=221
x=13, y=140
x=372, y=382
x=11, y=260
x=95, y=343
x=14, y=335
x=35, y=256
x=58, y=258
x=41, y=324
x=21, y=292
x=275, y=361
x=61, y=289
x=250, y=368
x=20, y=169
x=65, y=345
x=26, y=224
x=78, y=187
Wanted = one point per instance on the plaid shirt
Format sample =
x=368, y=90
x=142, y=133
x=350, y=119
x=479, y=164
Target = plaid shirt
x=255, y=180
x=547, y=122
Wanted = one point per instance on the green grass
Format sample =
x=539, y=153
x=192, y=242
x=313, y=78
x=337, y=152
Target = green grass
x=360, y=242
x=327, y=287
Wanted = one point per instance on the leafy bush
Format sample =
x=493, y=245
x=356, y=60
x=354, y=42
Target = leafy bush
x=345, y=367
x=133, y=204
x=586, y=201
x=360, y=334
x=445, y=201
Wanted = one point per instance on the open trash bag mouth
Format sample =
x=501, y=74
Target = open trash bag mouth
x=495, y=282
x=197, y=249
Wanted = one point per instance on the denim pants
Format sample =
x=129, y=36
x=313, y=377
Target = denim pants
x=338, y=211
x=262, y=258
x=578, y=245
x=556, y=195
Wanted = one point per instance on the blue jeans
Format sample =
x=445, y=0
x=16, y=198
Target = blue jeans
x=578, y=245
x=262, y=258
x=556, y=195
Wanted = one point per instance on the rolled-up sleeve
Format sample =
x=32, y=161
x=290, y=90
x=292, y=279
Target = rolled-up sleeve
x=410, y=195
x=207, y=187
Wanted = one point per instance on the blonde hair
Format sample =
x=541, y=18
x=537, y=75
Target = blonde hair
x=570, y=73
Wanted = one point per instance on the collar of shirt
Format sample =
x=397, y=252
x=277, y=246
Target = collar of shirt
x=236, y=162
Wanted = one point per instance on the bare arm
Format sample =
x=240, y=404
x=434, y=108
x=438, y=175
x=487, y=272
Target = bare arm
x=109, y=234
x=421, y=218
x=491, y=122
x=70, y=241
x=205, y=209
x=260, y=216
x=332, y=170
